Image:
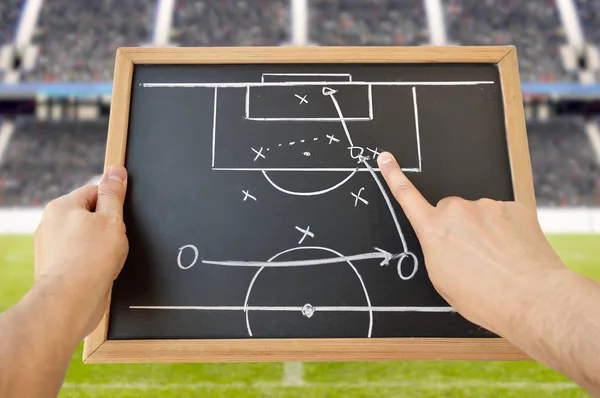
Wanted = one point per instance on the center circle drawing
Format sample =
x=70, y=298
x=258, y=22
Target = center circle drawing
x=308, y=300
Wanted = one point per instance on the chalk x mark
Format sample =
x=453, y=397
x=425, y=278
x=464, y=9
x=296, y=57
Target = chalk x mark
x=247, y=195
x=306, y=232
x=332, y=138
x=302, y=99
x=258, y=153
x=357, y=197
x=375, y=152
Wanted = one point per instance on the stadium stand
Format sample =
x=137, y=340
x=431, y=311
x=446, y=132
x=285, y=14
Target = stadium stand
x=368, y=22
x=9, y=13
x=78, y=39
x=230, y=23
x=589, y=12
x=533, y=26
x=47, y=159
x=565, y=168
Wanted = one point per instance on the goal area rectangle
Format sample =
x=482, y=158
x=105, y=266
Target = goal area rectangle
x=297, y=102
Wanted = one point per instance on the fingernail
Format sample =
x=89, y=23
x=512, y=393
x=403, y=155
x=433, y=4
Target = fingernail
x=385, y=158
x=117, y=173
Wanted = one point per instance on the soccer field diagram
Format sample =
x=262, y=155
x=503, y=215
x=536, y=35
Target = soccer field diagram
x=316, y=125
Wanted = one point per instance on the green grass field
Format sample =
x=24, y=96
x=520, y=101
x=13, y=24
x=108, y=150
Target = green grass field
x=405, y=379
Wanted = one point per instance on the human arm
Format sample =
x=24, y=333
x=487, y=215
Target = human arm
x=491, y=261
x=80, y=247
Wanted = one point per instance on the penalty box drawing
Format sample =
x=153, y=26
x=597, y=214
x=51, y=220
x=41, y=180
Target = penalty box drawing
x=313, y=123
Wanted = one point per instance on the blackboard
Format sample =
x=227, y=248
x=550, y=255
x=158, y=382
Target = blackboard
x=255, y=209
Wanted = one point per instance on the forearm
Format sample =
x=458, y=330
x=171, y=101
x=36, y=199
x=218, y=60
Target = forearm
x=562, y=330
x=37, y=340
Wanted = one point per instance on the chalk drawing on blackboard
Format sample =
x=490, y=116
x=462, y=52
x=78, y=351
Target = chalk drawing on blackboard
x=191, y=263
x=332, y=138
x=358, y=197
x=248, y=195
x=308, y=310
x=375, y=152
x=366, y=307
x=305, y=232
x=302, y=98
x=258, y=153
x=361, y=157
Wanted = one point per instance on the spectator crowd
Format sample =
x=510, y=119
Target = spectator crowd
x=47, y=159
x=77, y=40
x=565, y=168
x=368, y=23
x=230, y=23
x=533, y=26
x=589, y=14
x=9, y=13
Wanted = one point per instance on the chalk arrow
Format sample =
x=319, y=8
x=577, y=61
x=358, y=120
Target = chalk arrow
x=328, y=91
x=385, y=256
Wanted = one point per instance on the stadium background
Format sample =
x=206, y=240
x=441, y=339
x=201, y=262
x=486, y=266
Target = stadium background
x=56, y=65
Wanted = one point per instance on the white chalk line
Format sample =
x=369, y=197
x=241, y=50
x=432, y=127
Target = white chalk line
x=429, y=385
x=247, y=102
x=379, y=254
x=348, y=75
x=390, y=207
x=313, y=193
x=370, y=98
x=331, y=94
x=321, y=83
x=415, y=106
x=287, y=308
x=214, y=128
x=308, y=119
x=308, y=169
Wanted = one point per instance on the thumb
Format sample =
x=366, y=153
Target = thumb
x=111, y=192
x=415, y=206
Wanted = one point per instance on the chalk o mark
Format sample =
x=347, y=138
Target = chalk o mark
x=181, y=249
x=415, y=265
x=369, y=306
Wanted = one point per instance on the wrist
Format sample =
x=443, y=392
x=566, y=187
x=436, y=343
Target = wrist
x=541, y=306
x=64, y=303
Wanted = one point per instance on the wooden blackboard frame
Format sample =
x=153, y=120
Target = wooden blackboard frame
x=98, y=349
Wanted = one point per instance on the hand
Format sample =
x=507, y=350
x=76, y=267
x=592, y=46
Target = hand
x=80, y=248
x=489, y=260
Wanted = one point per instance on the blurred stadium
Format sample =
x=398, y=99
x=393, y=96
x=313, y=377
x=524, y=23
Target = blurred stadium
x=56, y=66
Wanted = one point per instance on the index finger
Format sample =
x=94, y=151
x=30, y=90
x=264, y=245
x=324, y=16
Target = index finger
x=415, y=206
